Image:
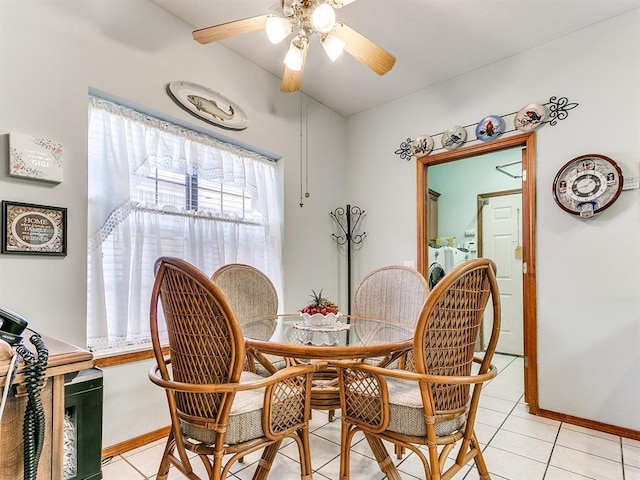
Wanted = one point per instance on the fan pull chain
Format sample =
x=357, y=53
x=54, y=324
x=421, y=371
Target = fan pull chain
x=304, y=149
x=301, y=149
x=306, y=144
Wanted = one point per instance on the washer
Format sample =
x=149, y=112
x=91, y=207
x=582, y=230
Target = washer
x=436, y=264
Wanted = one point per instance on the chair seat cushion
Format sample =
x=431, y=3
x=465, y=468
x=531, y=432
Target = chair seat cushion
x=278, y=362
x=245, y=419
x=406, y=413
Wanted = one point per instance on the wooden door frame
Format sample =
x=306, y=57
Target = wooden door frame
x=527, y=142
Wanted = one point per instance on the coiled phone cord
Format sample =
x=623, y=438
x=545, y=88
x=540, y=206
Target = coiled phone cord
x=34, y=418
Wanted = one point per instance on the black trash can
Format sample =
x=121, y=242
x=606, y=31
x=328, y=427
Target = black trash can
x=83, y=425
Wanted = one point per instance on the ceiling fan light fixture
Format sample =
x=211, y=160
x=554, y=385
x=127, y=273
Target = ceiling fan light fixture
x=295, y=56
x=278, y=28
x=333, y=46
x=299, y=20
x=323, y=18
x=287, y=9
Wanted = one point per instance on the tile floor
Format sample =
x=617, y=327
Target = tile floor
x=516, y=446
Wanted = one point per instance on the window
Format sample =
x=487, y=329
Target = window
x=157, y=189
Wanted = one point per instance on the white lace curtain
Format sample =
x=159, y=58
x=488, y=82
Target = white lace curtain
x=129, y=231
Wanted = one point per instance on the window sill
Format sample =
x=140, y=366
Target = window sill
x=123, y=356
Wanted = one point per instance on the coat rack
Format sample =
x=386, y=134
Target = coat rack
x=347, y=219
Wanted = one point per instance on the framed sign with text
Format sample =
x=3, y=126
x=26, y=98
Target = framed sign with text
x=35, y=158
x=33, y=229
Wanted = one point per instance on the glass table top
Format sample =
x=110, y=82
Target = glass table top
x=350, y=336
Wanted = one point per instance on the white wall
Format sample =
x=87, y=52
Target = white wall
x=51, y=53
x=588, y=271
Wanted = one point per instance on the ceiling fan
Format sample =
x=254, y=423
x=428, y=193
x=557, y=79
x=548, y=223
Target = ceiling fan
x=305, y=17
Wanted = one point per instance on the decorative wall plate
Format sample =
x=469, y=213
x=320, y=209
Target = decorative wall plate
x=530, y=117
x=587, y=185
x=207, y=105
x=454, y=137
x=422, y=146
x=489, y=128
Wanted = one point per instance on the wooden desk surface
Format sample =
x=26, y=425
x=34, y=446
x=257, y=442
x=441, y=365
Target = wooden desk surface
x=63, y=358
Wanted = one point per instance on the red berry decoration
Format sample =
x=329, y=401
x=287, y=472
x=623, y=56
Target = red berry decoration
x=319, y=304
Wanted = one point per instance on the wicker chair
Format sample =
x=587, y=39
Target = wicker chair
x=216, y=408
x=435, y=405
x=395, y=293
x=251, y=294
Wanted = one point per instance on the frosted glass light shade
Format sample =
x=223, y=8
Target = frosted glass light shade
x=295, y=56
x=333, y=47
x=323, y=18
x=278, y=28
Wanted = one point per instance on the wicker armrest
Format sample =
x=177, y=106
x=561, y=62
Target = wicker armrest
x=364, y=391
x=417, y=377
x=307, y=369
x=364, y=397
x=287, y=400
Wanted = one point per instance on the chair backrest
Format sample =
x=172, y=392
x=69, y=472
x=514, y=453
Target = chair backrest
x=394, y=292
x=249, y=291
x=205, y=339
x=447, y=329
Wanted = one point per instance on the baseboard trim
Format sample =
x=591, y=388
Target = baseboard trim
x=127, y=445
x=583, y=422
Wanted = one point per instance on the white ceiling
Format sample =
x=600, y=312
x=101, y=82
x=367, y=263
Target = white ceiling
x=433, y=40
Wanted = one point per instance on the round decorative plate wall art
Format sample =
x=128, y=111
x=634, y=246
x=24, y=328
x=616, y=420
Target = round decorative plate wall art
x=454, y=137
x=422, y=146
x=489, y=128
x=207, y=105
x=530, y=117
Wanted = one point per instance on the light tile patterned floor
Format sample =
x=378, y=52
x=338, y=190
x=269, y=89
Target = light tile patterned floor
x=517, y=446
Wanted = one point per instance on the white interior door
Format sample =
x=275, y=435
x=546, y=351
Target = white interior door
x=502, y=242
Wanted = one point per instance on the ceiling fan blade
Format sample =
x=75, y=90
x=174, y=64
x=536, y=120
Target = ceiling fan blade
x=229, y=29
x=364, y=50
x=292, y=79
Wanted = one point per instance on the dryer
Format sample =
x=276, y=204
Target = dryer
x=453, y=257
x=436, y=264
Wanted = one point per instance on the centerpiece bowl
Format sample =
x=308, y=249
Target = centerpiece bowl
x=320, y=320
x=320, y=311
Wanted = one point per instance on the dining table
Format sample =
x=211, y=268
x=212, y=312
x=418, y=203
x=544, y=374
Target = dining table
x=290, y=337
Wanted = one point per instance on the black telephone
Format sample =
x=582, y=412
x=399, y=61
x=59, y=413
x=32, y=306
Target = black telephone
x=12, y=327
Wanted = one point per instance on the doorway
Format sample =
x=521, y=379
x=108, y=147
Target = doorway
x=526, y=144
